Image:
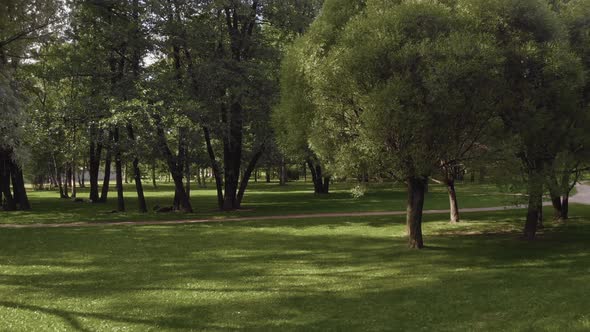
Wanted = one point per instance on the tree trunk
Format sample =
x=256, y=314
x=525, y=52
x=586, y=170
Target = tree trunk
x=139, y=186
x=454, y=207
x=251, y=166
x=232, y=155
x=73, y=171
x=268, y=174
x=535, y=189
x=565, y=207
x=119, y=172
x=137, y=174
x=415, y=205
x=93, y=168
x=304, y=172
x=215, y=167
x=555, y=197
x=188, y=178
x=107, y=177
x=68, y=176
x=9, y=203
x=58, y=178
x=174, y=167
x=326, y=186
x=540, y=224
x=18, y=185
x=319, y=181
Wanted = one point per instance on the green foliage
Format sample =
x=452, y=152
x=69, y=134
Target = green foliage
x=393, y=86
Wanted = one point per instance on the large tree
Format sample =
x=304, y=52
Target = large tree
x=543, y=80
x=393, y=83
x=224, y=57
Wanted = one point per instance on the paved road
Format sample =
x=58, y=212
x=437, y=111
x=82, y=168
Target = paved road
x=582, y=196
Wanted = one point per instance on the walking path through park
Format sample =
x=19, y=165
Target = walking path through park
x=582, y=196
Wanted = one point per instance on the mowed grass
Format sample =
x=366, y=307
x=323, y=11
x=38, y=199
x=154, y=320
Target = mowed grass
x=338, y=274
x=261, y=199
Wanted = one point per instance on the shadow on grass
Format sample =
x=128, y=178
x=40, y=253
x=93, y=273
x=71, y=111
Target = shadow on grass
x=324, y=274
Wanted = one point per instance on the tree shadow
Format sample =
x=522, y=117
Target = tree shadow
x=325, y=274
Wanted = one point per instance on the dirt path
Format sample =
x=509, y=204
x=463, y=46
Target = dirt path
x=582, y=196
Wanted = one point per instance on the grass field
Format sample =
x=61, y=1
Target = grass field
x=337, y=274
x=261, y=199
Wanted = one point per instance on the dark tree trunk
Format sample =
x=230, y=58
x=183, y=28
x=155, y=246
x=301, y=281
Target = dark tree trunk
x=93, y=168
x=174, y=167
x=119, y=172
x=107, y=177
x=58, y=178
x=232, y=155
x=67, y=176
x=326, y=187
x=565, y=207
x=304, y=172
x=137, y=174
x=557, y=207
x=247, y=174
x=256, y=175
x=555, y=198
x=139, y=186
x=73, y=172
x=18, y=186
x=454, y=207
x=188, y=178
x=535, y=189
x=268, y=174
x=319, y=185
x=215, y=167
x=415, y=205
x=567, y=188
x=8, y=203
x=540, y=224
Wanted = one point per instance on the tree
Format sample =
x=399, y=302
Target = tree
x=572, y=160
x=22, y=24
x=111, y=42
x=391, y=83
x=542, y=84
x=224, y=57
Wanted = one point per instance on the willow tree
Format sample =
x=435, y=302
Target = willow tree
x=543, y=82
x=390, y=84
x=293, y=117
x=574, y=155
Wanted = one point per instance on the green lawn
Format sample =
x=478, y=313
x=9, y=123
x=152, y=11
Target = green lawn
x=322, y=274
x=261, y=199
